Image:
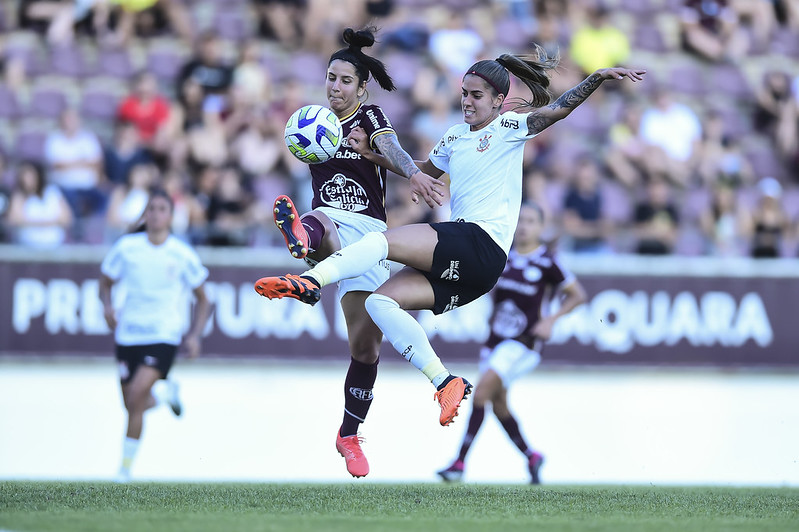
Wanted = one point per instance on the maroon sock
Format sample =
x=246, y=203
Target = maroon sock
x=315, y=230
x=357, y=395
x=512, y=428
x=475, y=422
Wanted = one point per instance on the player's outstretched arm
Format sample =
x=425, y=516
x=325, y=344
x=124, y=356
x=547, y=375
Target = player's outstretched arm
x=394, y=158
x=573, y=296
x=542, y=118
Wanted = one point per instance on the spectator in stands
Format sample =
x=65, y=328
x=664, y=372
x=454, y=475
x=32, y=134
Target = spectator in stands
x=656, y=220
x=188, y=217
x=207, y=142
x=56, y=19
x=208, y=69
x=584, y=220
x=38, y=214
x=148, y=18
x=599, y=44
x=723, y=222
x=129, y=199
x=74, y=160
x=672, y=132
x=281, y=21
x=773, y=97
x=229, y=213
x=146, y=109
x=257, y=147
x=711, y=29
x=768, y=223
x=720, y=158
x=124, y=152
x=454, y=45
x=251, y=79
x=626, y=153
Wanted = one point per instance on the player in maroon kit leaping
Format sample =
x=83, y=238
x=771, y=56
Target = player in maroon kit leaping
x=519, y=326
x=349, y=202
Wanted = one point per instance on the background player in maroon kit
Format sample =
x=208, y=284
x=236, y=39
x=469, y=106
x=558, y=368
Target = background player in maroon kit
x=519, y=326
x=349, y=201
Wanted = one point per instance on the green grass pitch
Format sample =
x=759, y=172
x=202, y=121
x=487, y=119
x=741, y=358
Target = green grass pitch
x=155, y=507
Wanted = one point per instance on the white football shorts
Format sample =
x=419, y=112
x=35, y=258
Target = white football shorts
x=351, y=228
x=509, y=359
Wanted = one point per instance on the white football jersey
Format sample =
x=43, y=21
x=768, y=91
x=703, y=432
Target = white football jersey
x=485, y=170
x=156, y=282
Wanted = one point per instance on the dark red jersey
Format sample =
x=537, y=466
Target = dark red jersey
x=522, y=294
x=348, y=181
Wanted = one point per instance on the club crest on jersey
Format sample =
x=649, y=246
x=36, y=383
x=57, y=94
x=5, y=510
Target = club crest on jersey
x=343, y=193
x=484, y=142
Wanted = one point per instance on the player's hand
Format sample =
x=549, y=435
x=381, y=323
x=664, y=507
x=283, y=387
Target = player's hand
x=543, y=329
x=358, y=140
x=192, y=345
x=618, y=73
x=110, y=317
x=430, y=189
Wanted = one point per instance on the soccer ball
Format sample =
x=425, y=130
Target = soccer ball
x=313, y=134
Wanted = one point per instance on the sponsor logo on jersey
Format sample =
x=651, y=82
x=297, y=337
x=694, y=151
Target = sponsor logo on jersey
x=509, y=123
x=343, y=193
x=362, y=394
x=453, y=303
x=451, y=273
x=150, y=360
x=484, y=143
x=373, y=119
x=347, y=154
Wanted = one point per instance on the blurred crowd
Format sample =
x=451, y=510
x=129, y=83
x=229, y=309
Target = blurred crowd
x=102, y=99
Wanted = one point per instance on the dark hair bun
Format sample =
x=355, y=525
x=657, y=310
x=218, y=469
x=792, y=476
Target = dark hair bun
x=359, y=39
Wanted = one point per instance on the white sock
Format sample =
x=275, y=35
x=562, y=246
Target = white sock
x=407, y=336
x=351, y=261
x=129, y=448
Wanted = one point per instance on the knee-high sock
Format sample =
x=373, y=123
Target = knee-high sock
x=475, y=422
x=357, y=395
x=350, y=261
x=315, y=230
x=407, y=336
x=512, y=428
x=129, y=448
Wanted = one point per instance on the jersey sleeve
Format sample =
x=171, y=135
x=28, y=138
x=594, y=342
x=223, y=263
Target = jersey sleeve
x=513, y=127
x=442, y=151
x=376, y=123
x=194, y=273
x=559, y=276
x=113, y=264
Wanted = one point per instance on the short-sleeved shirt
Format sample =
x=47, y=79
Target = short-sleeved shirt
x=522, y=294
x=348, y=181
x=157, y=281
x=147, y=117
x=485, y=169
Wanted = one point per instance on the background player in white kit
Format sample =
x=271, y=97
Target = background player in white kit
x=157, y=272
x=452, y=263
x=520, y=324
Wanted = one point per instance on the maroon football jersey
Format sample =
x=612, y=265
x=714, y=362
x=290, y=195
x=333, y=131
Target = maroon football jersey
x=524, y=289
x=348, y=181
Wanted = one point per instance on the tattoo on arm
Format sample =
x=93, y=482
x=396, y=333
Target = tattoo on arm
x=389, y=146
x=540, y=119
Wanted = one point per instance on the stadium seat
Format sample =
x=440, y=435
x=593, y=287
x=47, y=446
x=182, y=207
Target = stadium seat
x=115, y=63
x=47, y=102
x=687, y=79
x=69, y=61
x=9, y=105
x=98, y=102
x=730, y=81
x=29, y=144
x=233, y=23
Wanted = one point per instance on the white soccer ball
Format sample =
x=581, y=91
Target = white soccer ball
x=313, y=134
